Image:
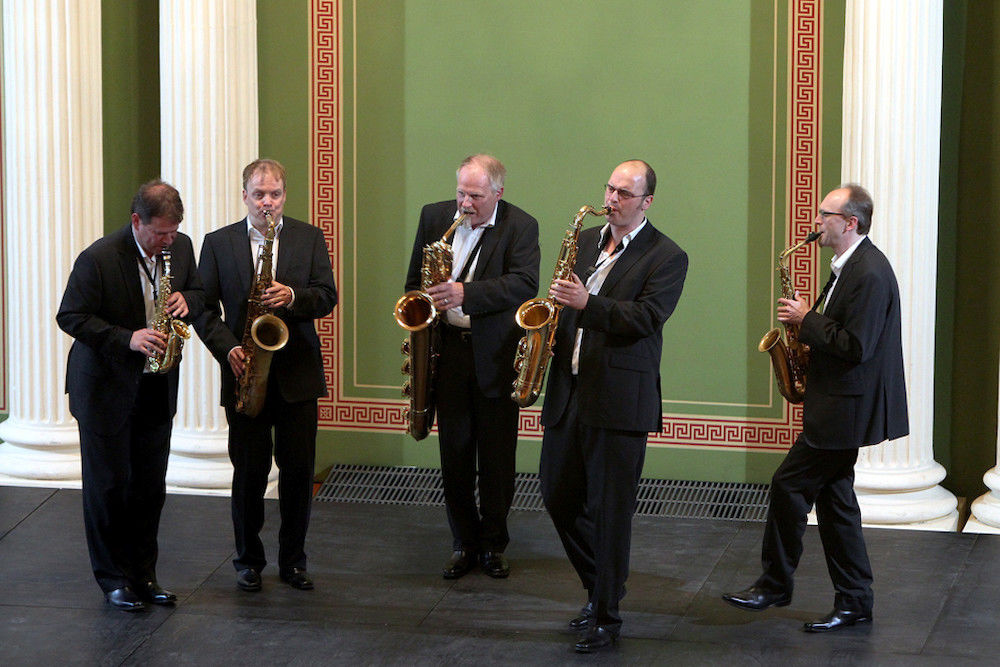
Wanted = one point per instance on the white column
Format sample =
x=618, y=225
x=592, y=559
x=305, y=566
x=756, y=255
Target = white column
x=891, y=136
x=208, y=97
x=986, y=508
x=53, y=208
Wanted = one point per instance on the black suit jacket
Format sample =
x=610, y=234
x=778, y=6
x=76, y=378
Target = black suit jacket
x=855, y=390
x=101, y=307
x=618, y=386
x=506, y=276
x=303, y=263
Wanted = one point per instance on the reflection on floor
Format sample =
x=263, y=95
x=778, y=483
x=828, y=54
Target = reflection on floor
x=380, y=599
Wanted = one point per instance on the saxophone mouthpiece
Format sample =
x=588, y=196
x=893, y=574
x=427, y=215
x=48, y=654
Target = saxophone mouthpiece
x=813, y=236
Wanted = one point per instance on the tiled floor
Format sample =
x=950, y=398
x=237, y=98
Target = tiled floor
x=381, y=600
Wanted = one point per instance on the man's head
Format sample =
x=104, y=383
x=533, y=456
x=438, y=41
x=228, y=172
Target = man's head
x=157, y=212
x=264, y=190
x=629, y=192
x=480, y=186
x=844, y=215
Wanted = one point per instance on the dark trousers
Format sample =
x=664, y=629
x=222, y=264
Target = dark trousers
x=294, y=448
x=474, y=428
x=124, y=488
x=824, y=477
x=589, y=478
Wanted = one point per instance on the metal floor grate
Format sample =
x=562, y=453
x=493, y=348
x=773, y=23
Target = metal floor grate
x=656, y=497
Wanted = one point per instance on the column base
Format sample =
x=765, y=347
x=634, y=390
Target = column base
x=932, y=508
x=30, y=453
x=985, y=513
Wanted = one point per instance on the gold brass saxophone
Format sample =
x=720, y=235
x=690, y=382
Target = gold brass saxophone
x=789, y=357
x=176, y=331
x=416, y=313
x=263, y=335
x=539, y=318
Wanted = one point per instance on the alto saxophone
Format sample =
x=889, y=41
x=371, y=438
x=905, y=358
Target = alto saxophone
x=789, y=357
x=263, y=335
x=176, y=331
x=416, y=313
x=539, y=318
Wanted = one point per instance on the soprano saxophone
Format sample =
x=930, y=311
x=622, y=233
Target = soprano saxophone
x=789, y=357
x=416, y=313
x=176, y=331
x=539, y=318
x=263, y=335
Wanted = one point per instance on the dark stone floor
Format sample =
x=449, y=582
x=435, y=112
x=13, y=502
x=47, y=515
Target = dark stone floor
x=380, y=599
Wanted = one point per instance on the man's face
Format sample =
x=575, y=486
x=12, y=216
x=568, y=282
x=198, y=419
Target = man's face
x=474, y=194
x=626, y=194
x=264, y=192
x=830, y=220
x=153, y=237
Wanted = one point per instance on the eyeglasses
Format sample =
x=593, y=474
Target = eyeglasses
x=827, y=214
x=622, y=194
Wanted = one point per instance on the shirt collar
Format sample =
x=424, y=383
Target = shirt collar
x=142, y=253
x=251, y=230
x=838, y=261
x=605, y=230
x=489, y=223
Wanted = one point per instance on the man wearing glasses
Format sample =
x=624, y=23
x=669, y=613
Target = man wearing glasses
x=603, y=393
x=855, y=396
x=494, y=270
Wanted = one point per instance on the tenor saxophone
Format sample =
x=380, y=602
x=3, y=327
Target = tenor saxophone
x=176, y=331
x=789, y=357
x=263, y=335
x=539, y=318
x=416, y=313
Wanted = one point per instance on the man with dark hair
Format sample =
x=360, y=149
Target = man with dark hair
x=124, y=409
x=603, y=393
x=855, y=396
x=301, y=291
x=494, y=270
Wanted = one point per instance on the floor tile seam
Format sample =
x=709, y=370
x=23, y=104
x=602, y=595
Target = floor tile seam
x=27, y=516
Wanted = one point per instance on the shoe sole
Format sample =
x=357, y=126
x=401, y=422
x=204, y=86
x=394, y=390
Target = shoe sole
x=783, y=603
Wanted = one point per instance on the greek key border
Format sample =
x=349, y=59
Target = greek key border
x=341, y=412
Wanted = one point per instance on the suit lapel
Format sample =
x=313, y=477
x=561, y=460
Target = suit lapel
x=846, y=274
x=285, y=249
x=636, y=248
x=239, y=241
x=128, y=258
x=491, y=239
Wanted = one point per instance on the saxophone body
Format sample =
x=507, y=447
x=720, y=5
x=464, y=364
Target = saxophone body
x=415, y=312
x=263, y=335
x=539, y=317
x=789, y=357
x=175, y=330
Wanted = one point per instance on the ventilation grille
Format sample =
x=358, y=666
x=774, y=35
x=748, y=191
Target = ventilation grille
x=656, y=497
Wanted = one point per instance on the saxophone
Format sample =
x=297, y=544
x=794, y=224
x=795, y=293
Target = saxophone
x=416, y=313
x=540, y=317
x=176, y=331
x=789, y=357
x=263, y=335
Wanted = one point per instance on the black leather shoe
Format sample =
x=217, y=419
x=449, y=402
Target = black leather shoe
x=597, y=637
x=296, y=577
x=459, y=564
x=151, y=591
x=124, y=598
x=583, y=620
x=248, y=580
x=756, y=598
x=494, y=564
x=837, y=619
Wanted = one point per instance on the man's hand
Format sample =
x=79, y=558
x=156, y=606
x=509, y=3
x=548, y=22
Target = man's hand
x=792, y=311
x=236, y=359
x=277, y=295
x=447, y=295
x=177, y=305
x=572, y=293
x=148, y=342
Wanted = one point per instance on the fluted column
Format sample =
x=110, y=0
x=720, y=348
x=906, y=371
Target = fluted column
x=53, y=208
x=208, y=93
x=891, y=145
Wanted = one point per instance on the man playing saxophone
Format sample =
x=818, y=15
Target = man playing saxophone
x=855, y=395
x=124, y=409
x=302, y=290
x=603, y=393
x=494, y=270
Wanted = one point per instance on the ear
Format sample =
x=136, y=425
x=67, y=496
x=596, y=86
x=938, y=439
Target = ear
x=852, y=223
x=647, y=201
x=136, y=221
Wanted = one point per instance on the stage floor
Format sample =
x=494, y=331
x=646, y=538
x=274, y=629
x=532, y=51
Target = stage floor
x=380, y=598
